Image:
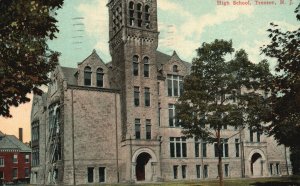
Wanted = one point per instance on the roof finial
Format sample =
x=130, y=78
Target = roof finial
x=174, y=53
x=94, y=51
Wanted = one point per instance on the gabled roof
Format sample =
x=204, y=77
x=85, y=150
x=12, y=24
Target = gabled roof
x=163, y=58
x=70, y=75
x=92, y=55
x=11, y=143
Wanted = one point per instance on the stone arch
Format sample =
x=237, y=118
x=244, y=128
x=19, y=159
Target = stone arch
x=144, y=165
x=141, y=150
x=257, y=151
x=257, y=160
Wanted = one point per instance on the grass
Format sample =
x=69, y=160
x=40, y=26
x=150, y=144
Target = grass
x=275, y=181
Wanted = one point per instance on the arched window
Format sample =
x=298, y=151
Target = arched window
x=139, y=7
x=139, y=14
x=87, y=76
x=135, y=65
x=100, y=76
x=147, y=8
x=175, y=68
x=147, y=16
x=131, y=13
x=146, y=67
x=131, y=5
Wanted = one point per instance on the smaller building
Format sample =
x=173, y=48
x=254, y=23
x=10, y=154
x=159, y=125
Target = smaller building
x=15, y=159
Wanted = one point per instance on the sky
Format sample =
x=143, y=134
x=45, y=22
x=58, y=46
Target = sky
x=183, y=25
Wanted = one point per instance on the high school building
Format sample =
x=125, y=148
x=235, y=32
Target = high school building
x=115, y=122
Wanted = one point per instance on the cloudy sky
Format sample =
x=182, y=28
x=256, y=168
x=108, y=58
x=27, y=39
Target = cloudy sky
x=183, y=25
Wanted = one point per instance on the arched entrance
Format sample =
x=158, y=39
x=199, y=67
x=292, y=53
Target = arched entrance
x=142, y=166
x=256, y=165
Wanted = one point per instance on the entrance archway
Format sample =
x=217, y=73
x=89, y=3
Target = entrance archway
x=256, y=165
x=142, y=165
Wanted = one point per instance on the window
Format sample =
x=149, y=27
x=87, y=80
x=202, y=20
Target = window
x=159, y=109
x=158, y=85
x=27, y=158
x=54, y=117
x=1, y=175
x=223, y=150
x=136, y=96
x=175, y=68
x=35, y=157
x=183, y=171
x=271, y=168
x=148, y=129
x=15, y=173
x=15, y=158
x=101, y=174
x=146, y=67
x=277, y=169
x=35, y=132
x=147, y=16
x=204, y=150
x=175, y=171
x=178, y=147
x=1, y=162
x=131, y=14
x=237, y=148
x=137, y=128
x=173, y=122
x=205, y=171
x=87, y=76
x=27, y=173
x=135, y=63
x=90, y=174
x=198, y=171
x=258, y=136
x=226, y=170
x=175, y=85
x=251, y=135
x=197, y=144
x=100, y=76
x=147, y=97
x=131, y=5
x=139, y=14
x=139, y=7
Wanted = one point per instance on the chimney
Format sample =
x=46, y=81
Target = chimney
x=21, y=134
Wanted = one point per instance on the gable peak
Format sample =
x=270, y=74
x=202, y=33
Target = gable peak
x=175, y=56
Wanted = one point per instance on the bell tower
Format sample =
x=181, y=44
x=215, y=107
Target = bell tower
x=133, y=41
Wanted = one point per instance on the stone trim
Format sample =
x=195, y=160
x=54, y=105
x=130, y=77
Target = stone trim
x=76, y=87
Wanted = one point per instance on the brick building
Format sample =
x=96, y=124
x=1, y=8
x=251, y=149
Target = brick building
x=114, y=122
x=14, y=160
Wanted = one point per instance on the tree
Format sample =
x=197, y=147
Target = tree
x=284, y=47
x=25, y=58
x=220, y=93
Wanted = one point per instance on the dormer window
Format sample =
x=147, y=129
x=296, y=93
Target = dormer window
x=135, y=65
x=146, y=67
x=100, y=76
x=87, y=76
x=175, y=68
